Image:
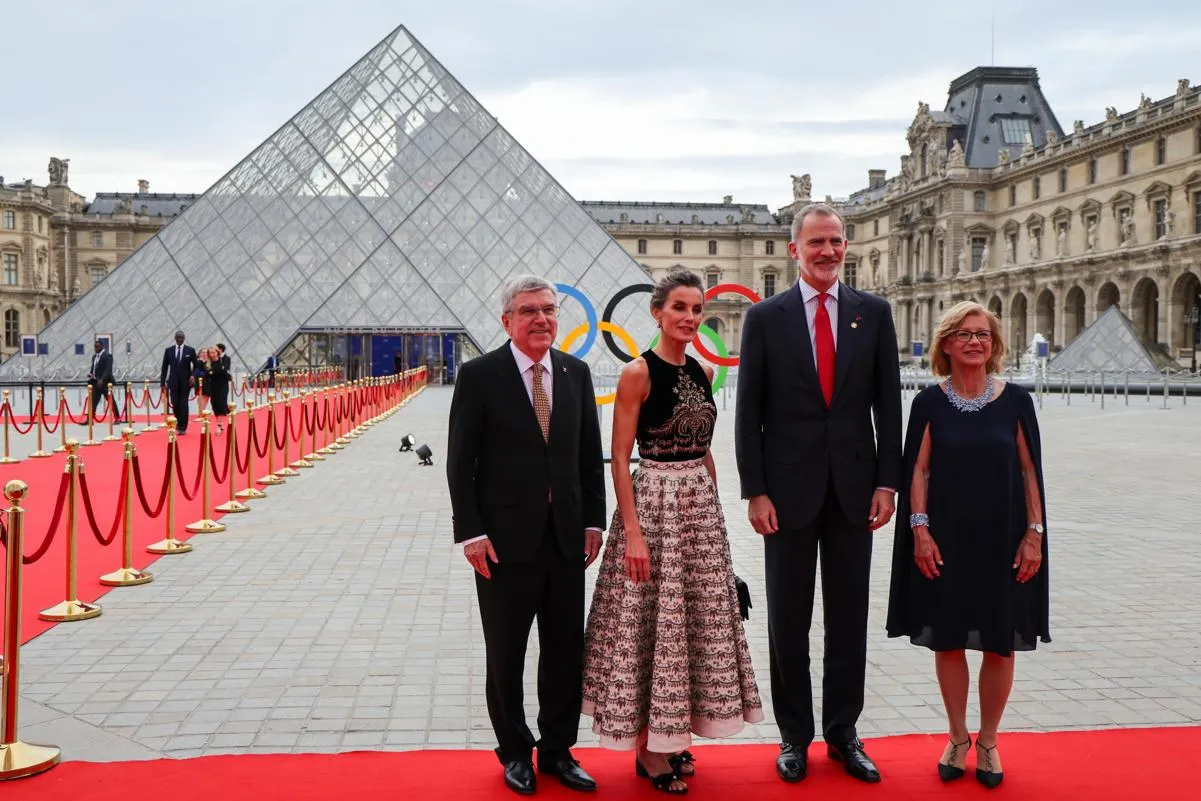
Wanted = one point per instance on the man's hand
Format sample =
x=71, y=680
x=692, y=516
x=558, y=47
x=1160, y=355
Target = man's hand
x=762, y=514
x=592, y=546
x=478, y=553
x=882, y=509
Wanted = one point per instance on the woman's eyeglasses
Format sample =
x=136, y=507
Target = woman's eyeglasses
x=966, y=336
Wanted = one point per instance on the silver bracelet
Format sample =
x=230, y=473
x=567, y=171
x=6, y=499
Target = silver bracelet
x=919, y=519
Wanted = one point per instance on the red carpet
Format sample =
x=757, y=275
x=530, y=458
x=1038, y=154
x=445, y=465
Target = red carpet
x=45, y=580
x=1096, y=765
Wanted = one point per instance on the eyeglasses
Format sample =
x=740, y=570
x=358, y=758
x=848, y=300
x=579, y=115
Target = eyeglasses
x=530, y=312
x=966, y=336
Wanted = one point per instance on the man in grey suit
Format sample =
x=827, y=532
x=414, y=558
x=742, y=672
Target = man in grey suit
x=818, y=368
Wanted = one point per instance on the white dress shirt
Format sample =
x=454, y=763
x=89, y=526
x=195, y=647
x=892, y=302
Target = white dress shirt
x=809, y=294
x=525, y=366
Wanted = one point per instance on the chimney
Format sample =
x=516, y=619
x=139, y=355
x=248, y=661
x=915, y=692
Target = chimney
x=727, y=200
x=143, y=186
x=876, y=178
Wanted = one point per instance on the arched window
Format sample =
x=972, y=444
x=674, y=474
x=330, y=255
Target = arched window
x=12, y=328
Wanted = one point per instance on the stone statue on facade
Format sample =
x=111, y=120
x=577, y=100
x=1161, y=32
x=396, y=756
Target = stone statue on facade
x=76, y=287
x=53, y=279
x=955, y=157
x=1128, y=229
x=1027, y=149
x=1169, y=223
x=58, y=171
x=985, y=256
x=1052, y=137
x=802, y=187
x=961, y=265
x=748, y=215
x=1092, y=235
x=1111, y=114
x=124, y=206
x=39, y=271
x=1009, y=254
x=1061, y=242
x=1078, y=127
x=1003, y=155
x=1035, y=246
x=1144, y=102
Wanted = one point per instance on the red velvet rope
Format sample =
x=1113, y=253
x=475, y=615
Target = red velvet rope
x=183, y=487
x=308, y=419
x=87, y=508
x=8, y=412
x=262, y=452
x=82, y=420
x=280, y=435
x=218, y=476
x=41, y=408
x=244, y=464
x=53, y=529
x=295, y=433
x=137, y=480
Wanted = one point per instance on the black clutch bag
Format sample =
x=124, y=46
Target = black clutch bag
x=744, y=597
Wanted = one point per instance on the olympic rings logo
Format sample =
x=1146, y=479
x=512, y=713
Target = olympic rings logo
x=609, y=329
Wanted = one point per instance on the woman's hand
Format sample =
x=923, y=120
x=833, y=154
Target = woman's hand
x=638, y=557
x=925, y=552
x=1029, y=557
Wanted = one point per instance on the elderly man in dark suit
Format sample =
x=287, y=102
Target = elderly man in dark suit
x=100, y=377
x=177, y=377
x=527, y=491
x=818, y=368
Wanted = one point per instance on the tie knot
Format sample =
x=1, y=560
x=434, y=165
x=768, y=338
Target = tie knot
x=823, y=296
x=538, y=368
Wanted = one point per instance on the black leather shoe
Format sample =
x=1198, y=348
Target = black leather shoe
x=570, y=774
x=854, y=759
x=793, y=762
x=984, y=772
x=519, y=776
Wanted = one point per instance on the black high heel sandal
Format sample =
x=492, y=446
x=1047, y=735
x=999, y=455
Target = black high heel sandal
x=985, y=776
x=683, y=763
x=951, y=772
x=662, y=782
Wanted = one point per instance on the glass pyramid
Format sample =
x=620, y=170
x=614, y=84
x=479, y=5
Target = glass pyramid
x=393, y=200
x=1112, y=344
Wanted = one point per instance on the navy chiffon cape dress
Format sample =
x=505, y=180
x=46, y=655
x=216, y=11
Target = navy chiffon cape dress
x=976, y=501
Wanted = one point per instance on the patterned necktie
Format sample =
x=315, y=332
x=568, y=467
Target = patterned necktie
x=541, y=402
x=823, y=336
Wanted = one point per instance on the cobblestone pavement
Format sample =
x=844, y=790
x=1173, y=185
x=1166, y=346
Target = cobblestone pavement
x=337, y=615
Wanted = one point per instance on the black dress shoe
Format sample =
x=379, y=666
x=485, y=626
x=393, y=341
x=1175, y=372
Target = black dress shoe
x=854, y=759
x=570, y=774
x=984, y=772
x=949, y=772
x=793, y=762
x=519, y=776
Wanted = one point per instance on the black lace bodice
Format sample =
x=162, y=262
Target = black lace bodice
x=676, y=421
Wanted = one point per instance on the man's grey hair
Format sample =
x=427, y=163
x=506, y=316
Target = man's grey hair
x=522, y=283
x=820, y=209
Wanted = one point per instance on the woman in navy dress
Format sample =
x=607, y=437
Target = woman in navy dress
x=969, y=556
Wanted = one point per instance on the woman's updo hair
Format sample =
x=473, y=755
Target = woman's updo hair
x=675, y=278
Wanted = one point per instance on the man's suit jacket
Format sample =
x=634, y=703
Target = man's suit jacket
x=500, y=468
x=788, y=443
x=103, y=374
x=175, y=374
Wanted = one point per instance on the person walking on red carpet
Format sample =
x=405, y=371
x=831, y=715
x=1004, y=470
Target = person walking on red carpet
x=818, y=366
x=969, y=554
x=177, y=377
x=666, y=657
x=527, y=492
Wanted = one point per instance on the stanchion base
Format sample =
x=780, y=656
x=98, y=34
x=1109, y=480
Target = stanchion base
x=70, y=610
x=315, y=456
x=39, y=455
x=8, y=460
x=301, y=464
x=269, y=480
x=250, y=493
x=90, y=443
x=18, y=760
x=111, y=438
x=285, y=472
x=342, y=440
x=126, y=577
x=168, y=546
x=327, y=451
x=231, y=506
x=205, y=526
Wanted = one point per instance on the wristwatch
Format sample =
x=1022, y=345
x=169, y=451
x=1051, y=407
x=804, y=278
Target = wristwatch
x=1037, y=528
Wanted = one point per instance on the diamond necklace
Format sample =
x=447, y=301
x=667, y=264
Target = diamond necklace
x=969, y=404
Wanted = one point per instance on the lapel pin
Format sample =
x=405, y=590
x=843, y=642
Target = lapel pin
x=854, y=325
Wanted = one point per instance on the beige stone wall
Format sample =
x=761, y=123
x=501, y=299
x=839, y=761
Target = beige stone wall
x=29, y=241
x=1147, y=168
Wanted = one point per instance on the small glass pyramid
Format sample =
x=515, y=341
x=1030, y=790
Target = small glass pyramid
x=393, y=200
x=1111, y=344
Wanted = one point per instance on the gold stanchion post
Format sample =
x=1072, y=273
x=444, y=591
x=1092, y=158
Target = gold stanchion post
x=231, y=470
x=205, y=525
x=91, y=422
x=112, y=416
x=128, y=575
x=326, y=449
x=146, y=399
x=8, y=415
x=303, y=459
x=72, y=608
x=346, y=391
x=169, y=545
x=287, y=470
x=63, y=414
x=251, y=492
x=271, y=478
x=17, y=759
x=39, y=415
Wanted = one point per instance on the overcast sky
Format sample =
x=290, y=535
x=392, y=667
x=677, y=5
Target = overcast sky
x=619, y=99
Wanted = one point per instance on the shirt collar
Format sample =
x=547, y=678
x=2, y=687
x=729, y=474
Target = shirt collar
x=808, y=293
x=524, y=363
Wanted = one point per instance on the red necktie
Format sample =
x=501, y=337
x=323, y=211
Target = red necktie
x=823, y=336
